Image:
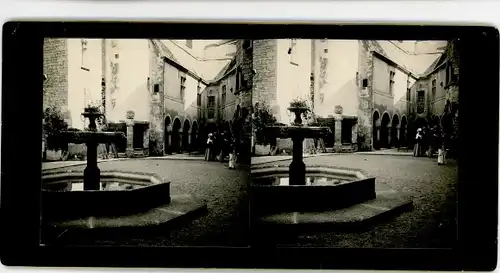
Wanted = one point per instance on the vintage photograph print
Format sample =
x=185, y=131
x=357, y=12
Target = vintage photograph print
x=145, y=142
x=249, y=145
x=350, y=132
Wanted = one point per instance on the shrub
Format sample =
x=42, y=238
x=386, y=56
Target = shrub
x=262, y=118
x=53, y=125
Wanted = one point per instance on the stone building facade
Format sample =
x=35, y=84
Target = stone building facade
x=149, y=89
x=227, y=99
x=55, y=67
x=367, y=105
x=434, y=96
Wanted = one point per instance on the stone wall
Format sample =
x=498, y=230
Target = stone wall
x=55, y=66
x=264, y=64
x=365, y=102
x=156, y=116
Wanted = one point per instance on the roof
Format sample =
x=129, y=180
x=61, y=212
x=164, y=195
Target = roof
x=417, y=64
x=162, y=50
x=206, y=69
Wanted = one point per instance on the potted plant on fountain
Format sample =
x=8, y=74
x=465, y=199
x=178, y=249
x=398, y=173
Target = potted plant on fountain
x=299, y=107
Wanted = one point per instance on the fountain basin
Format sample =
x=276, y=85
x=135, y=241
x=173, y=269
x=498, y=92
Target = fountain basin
x=325, y=189
x=331, y=196
x=126, y=199
x=86, y=136
x=294, y=130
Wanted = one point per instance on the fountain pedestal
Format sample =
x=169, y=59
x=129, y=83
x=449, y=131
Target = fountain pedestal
x=91, y=174
x=297, y=167
x=295, y=197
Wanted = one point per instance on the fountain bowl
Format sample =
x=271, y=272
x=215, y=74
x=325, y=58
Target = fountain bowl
x=326, y=188
x=331, y=197
x=126, y=199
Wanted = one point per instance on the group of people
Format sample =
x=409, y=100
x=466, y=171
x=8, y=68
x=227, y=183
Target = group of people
x=428, y=141
x=221, y=145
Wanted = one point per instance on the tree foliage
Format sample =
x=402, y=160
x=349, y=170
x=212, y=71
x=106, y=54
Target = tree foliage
x=53, y=125
x=262, y=118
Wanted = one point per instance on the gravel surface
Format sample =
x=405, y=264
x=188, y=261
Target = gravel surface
x=224, y=190
x=431, y=223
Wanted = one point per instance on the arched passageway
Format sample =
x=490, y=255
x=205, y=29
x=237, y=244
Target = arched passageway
x=176, y=136
x=394, y=139
x=376, y=130
x=384, y=131
x=402, y=132
x=186, y=136
x=167, y=135
x=202, y=137
x=194, y=136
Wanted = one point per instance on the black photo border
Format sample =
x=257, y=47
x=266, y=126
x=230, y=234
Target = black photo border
x=478, y=163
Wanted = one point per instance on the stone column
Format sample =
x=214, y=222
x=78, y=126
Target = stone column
x=180, y=133
x=398, y=134
x=389, y=136
x=354, y=138
x=189, y=141
x=146, y=141
x=338, y=133
x=167, y=150
x=130, y=138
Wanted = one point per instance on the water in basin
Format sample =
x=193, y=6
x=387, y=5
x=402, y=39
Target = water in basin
x=311, y=180
x=105, y=186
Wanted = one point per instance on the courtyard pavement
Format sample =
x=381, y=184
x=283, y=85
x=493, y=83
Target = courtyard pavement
x=62, y=164
x=224, y=190
x=431, y=223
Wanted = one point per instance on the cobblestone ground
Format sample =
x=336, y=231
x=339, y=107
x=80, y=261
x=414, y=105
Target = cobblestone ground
x=226, y=223
x=431, y=223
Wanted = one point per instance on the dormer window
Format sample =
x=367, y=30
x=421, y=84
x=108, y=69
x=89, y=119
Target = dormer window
x=84, y=64
x=292, y=51
x=239, y=79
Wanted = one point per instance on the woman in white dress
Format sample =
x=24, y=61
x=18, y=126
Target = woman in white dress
x=208, y=149
x=232, y=154
x=417, y=149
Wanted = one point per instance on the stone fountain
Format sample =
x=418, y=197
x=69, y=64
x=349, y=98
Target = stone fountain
x=293, y=196
x=107, y=201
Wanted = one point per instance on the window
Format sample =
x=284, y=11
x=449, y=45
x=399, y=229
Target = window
x=84, y=55
x=211, y=107
x=239, y=79
x=117, y=56
x=156, y=88
x=189, y=43
x=408, y=94
x=365, y=83
x=420, y=102
x=292, y=51
x=223, y=96
x=198, y=99
x=183, y=88
x=391, y=82
x=450, y=76
x=433, y=89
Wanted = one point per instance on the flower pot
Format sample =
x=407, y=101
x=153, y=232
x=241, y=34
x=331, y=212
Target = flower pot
x=298, y=111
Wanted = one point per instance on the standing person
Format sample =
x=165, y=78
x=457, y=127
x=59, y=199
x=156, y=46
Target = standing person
x=232, y=153
x=209, y=147
x=417, y=149
x=442, y=150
